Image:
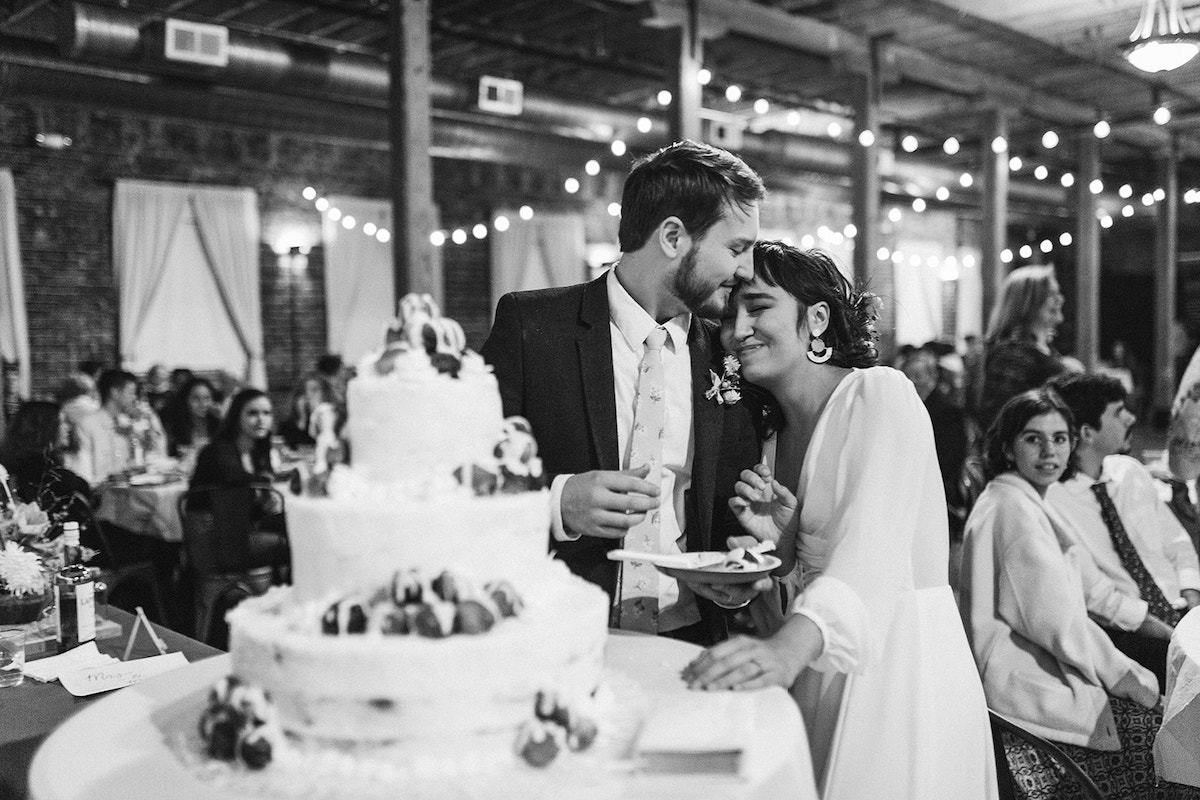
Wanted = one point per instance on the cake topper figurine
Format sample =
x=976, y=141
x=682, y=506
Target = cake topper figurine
x=420, y=327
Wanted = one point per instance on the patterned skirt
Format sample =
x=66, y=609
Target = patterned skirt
x=1127, y=774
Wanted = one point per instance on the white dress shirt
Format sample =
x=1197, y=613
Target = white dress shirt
x=1157, y=536
x=629, y=325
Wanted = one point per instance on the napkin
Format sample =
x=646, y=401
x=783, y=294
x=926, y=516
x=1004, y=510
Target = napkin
x=690, y=732
x=48, y=669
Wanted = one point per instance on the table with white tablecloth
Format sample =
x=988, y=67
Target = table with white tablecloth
x=148, y=509
x=1177, y=746
x=116, y=748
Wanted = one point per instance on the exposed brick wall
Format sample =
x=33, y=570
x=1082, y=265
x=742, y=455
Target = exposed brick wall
x=64, y=202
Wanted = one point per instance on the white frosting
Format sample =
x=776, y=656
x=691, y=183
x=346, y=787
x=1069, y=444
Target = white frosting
x=378, y=688
x=343, y=544
x=414, y=425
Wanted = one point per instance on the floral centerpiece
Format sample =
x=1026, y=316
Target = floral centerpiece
x=31, y=552
x=139, y=428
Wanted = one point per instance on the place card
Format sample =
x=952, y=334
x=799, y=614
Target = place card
x=118, y=674
x=85, y=655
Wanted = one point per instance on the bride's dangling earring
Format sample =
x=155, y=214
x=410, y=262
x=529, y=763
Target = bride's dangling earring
x=818, y=353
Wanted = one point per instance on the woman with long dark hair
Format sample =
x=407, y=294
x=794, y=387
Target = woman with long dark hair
x=240, y=455
x=849, y=490
x=191, y=418
x=32, y=452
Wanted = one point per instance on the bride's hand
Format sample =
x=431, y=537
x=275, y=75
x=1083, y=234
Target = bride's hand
x=742, y=663
x=764, y=507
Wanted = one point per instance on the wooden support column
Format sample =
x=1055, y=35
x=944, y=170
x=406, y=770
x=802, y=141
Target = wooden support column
x=994, y=233
x=864, y=171
x=1087, y=255
x=687, y=91
x=1166, y=247
x=413, y=216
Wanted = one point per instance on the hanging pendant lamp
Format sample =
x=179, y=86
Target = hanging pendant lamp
x=1162, y=40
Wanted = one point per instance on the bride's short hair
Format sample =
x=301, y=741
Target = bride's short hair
x=812, y=277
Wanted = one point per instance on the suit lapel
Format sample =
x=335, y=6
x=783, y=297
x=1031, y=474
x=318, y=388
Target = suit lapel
x=707, y=425
x=594, y=347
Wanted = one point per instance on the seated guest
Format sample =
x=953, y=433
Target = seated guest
x=1177, y=473
x=1134, y=539
x=157, y=387
x=118, y=434
x=1044, y=662
x=191, y=418
x=78, y=397
x=32, y=452
x=949, y=429
x=240, y=455
x=314, y=406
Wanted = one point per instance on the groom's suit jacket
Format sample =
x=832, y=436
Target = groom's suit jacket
x=552, y=354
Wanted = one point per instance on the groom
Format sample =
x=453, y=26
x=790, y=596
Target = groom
x=578, y=362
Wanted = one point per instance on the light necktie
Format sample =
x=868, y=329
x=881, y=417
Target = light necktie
x=637, y=601
x=1151, y=593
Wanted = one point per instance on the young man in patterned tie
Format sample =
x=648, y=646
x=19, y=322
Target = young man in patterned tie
x=1115, y=512
x=614, y=377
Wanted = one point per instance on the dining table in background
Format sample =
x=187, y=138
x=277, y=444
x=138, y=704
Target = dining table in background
x=31, y=711
x=147, y=509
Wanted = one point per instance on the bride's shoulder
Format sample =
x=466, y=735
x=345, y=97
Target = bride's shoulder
x=879, y=381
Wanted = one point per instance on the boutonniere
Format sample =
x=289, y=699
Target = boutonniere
x=726, y=388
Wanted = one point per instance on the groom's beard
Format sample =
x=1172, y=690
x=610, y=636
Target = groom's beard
x=695, y=294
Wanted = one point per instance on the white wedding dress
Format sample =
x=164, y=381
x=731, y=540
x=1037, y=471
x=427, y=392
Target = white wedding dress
x=894, y=706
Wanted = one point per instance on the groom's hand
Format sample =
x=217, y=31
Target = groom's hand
x=607, y=503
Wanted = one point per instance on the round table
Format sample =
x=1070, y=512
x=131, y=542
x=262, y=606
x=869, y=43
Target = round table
x=1177, y=746
x=148, y=510
x=115, y=749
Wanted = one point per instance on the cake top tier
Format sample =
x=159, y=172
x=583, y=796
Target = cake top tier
x=425, y=412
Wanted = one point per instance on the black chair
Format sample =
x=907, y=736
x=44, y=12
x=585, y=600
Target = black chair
x=125, y=571
x=217, y=525
x=1046, y=773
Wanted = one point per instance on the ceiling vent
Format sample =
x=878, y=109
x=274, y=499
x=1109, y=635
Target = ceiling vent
x=197, y=43
x=500, y=95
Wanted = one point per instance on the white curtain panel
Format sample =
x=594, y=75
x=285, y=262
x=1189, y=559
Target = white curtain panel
x=146, y=219
x=918, y=287
x=548, y=250
x=227, y=221
x=14, y=332
x=360, y=281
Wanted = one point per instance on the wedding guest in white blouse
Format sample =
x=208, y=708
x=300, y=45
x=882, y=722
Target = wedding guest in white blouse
x=121, y=432
x=849, y=488
x=1114, y=507
x=1044, y=662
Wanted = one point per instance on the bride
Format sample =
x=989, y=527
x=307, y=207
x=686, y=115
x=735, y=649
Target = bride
x=873, y=647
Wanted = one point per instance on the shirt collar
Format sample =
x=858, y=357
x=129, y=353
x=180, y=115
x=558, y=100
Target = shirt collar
x=634, y=324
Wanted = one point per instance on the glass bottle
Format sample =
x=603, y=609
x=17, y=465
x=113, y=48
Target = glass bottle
x=74, y=594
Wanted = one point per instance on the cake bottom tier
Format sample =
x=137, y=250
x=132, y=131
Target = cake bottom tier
x=377, y=689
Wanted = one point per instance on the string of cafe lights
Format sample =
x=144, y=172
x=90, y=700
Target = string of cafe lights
x=761, y=106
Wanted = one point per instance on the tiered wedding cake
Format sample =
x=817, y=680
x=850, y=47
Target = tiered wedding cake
x=425, y=614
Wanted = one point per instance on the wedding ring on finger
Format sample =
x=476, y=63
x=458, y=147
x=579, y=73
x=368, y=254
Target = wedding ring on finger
x=758, y=668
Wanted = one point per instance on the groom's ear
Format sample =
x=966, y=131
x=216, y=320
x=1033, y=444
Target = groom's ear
x=673, y=238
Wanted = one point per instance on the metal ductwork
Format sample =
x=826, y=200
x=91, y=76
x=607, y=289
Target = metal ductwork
x=116, y=36
x=94, y=33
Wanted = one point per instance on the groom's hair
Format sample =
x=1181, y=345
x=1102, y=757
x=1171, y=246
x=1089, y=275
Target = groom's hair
x=690, y=180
